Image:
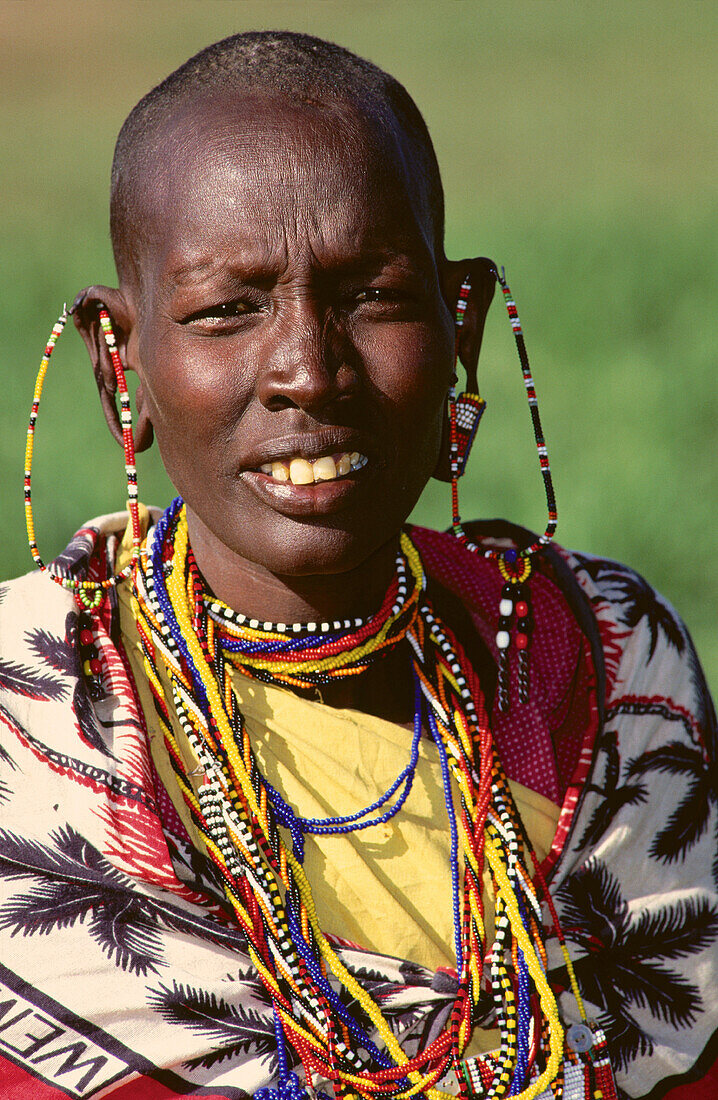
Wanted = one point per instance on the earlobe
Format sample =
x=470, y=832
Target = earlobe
x=468, y=287
x=143, y=431
x=86, y=315
x=481, y=273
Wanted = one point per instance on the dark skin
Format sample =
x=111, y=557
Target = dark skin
x=288, y=300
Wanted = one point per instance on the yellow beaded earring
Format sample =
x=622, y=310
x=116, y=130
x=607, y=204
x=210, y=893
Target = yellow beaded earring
x=89, y=594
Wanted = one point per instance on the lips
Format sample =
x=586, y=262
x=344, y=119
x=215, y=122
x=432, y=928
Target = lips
x=312, y=473
x=306, y=471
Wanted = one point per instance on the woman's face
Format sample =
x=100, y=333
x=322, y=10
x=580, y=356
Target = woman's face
x=290, y=319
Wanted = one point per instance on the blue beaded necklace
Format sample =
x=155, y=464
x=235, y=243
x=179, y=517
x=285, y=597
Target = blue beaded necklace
x=326, y=826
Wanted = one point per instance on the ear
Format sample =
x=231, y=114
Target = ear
x=86, y=315
x=481, y=273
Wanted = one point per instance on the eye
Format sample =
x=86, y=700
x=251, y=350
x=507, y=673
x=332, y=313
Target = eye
x=222, y=312
x=381, y=303
x=371, y=294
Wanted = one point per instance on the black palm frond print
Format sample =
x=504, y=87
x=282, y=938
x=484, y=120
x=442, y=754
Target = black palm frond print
x=414, y=974
x=234, y=1029
x=704, y=709
x=690, y=819
x=635, y=601
x=375, y=981
x=60, y=653
x=6, y=758
x=23, y=680
x=57, y=653
x=615, y=795
x=75, y=883
x=87, y=720
x=623, y=967
x=197, y=871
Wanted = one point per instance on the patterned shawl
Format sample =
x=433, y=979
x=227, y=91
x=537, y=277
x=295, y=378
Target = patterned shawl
x=120, y=970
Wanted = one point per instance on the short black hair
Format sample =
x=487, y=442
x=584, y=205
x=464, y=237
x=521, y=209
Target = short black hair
x=299, y=66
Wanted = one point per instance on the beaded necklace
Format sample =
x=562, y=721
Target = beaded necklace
x=197, y=640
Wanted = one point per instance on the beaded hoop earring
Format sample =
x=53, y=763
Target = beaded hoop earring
x=89, y=594
x=515, y=565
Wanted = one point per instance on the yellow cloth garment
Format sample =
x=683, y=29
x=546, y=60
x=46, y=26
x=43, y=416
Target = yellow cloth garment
x=387, y=887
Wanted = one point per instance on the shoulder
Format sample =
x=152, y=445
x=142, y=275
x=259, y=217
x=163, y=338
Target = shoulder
x=641, y=650
x=38, y=620
x=635, y=872
x=652, y=668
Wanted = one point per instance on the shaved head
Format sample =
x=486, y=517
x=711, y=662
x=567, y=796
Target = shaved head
x=278, y=64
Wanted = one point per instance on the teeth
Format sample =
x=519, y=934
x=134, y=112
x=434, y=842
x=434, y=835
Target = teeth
x=325, y=469
x=300, y=471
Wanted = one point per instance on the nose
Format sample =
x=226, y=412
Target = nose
x=307, y=366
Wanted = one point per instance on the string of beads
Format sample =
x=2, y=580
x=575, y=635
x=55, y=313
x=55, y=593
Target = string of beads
x=88, y=593
x=240, y=821
x=530, y=387
x=515, y=565
x=324, y=826
x=195, y=641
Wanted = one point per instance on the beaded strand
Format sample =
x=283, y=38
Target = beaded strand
x=542, y=451
x=337, y=826
x=515, y=565
x=88, y=593
x=238, y=818
x=465, y=412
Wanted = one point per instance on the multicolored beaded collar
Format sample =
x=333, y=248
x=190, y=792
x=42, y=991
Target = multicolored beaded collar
x=196, y=640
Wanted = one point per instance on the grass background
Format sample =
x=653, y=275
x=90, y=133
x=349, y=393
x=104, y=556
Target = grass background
x=578, y=143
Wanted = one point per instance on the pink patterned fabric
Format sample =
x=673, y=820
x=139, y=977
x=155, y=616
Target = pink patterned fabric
x=540, y=743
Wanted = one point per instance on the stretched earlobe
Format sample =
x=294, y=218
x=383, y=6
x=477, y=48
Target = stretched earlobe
x=86, y=315
x=468, y=287
x=480, y=272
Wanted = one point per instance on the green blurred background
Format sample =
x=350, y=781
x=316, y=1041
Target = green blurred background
x=579, y=147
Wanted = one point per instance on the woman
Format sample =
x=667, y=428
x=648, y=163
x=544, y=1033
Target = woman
x=288, y=761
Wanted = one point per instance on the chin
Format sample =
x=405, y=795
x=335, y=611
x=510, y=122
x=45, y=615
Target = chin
x=244, y=532
x=311, y=549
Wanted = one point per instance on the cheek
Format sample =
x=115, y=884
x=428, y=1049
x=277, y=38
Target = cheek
x=411, y=367
x=194, y=391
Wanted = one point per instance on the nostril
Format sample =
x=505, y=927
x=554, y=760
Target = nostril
x=310, y=386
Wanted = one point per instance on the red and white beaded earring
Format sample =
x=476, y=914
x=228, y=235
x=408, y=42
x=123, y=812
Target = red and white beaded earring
x=88, y=594
x=466, y=410
x=515, y=565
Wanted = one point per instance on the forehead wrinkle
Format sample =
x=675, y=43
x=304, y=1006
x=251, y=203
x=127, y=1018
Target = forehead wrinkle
x=252, y=153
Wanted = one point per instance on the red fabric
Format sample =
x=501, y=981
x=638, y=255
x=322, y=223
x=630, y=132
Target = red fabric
x=705, y=1089
x=561, y=718
x=17, y=1084
x=144, y=1088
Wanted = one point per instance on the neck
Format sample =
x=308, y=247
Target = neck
x=252, y=590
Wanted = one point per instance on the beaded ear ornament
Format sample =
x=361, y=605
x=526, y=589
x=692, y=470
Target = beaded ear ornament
x=88, y=594
x=466, y=410
x=515, y=565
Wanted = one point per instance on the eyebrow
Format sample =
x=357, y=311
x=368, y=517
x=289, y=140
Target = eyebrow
x=194, y=271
